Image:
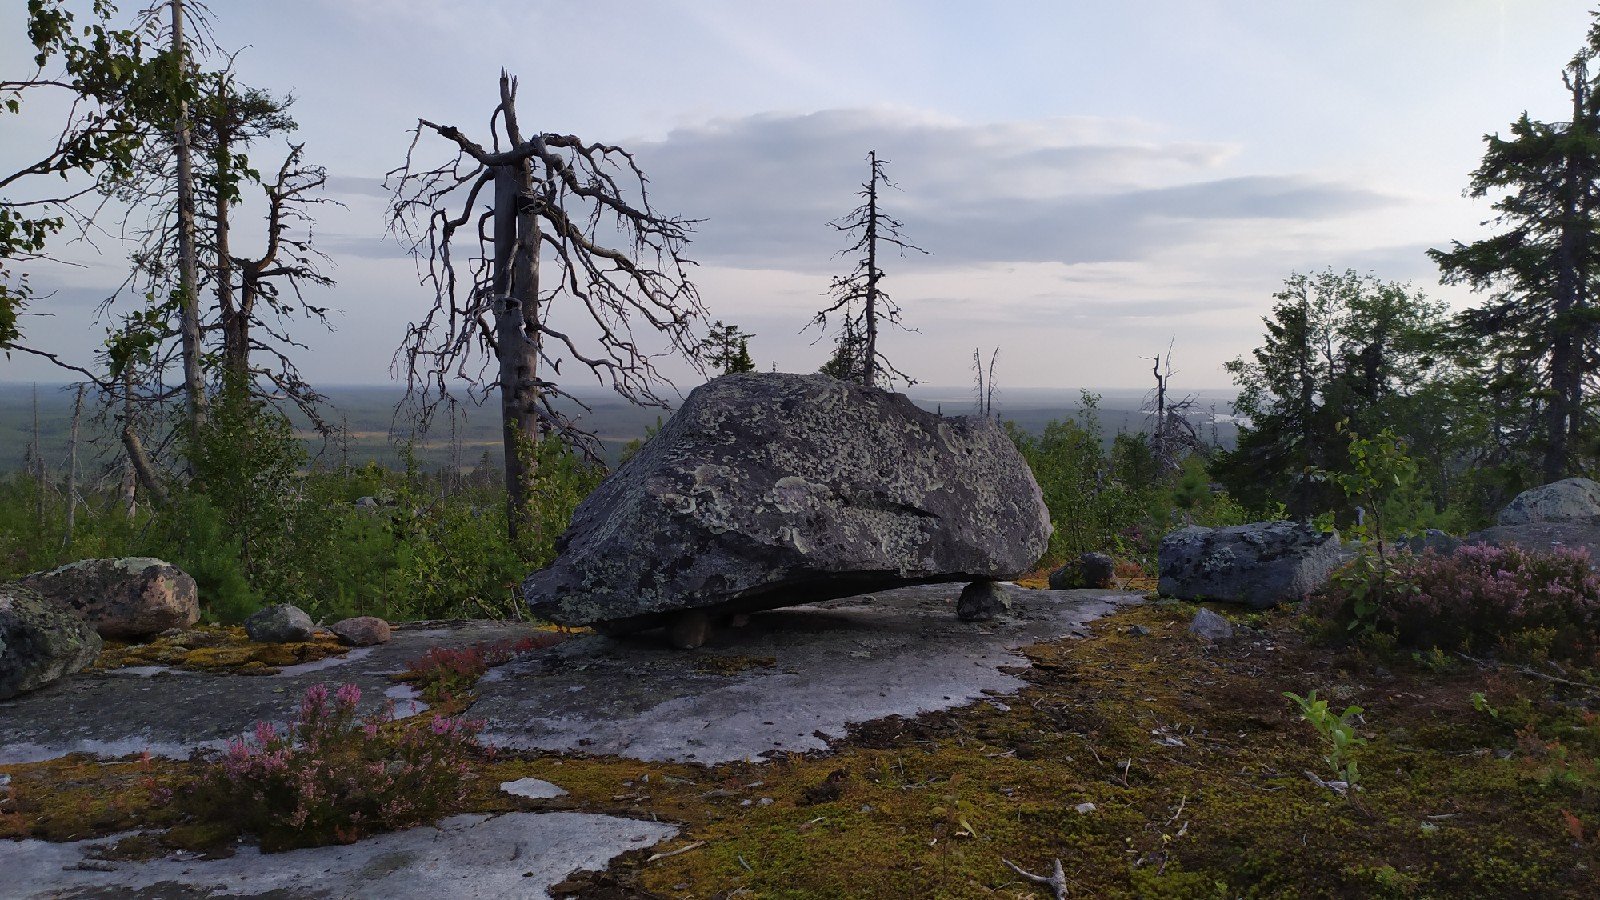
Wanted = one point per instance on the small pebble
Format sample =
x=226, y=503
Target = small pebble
x=1084, y=809
x=1138, y=631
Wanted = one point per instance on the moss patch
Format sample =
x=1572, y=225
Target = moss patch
x=225, y=649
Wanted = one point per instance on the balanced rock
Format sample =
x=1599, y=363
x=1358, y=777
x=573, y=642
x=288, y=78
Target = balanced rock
x=40, y=640
x=362, y=631
x=281, y=624
x=1260, y=565
x=769, y=490
x=1568, y=500
x=136, y=597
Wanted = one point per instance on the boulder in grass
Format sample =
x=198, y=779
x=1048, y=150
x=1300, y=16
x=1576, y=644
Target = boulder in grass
x=130, y=599
x=768, y=490
x=40, y=640
x=1091, y=570
x=1259, y=565
x=362, y=631
x=280, y=624
x=1568, y=500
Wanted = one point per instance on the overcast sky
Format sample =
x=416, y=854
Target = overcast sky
x=1092, y=180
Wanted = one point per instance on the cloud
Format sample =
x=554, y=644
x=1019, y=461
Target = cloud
x=1067, y=190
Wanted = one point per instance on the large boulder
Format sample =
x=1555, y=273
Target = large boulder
x=1568, y=500
x=131, y=598
x=767, y=490
x=1542, y=537
x=1260, y=565
x=40, y=641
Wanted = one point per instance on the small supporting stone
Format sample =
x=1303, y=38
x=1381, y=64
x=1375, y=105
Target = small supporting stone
x=981, y=601
x=689, y=629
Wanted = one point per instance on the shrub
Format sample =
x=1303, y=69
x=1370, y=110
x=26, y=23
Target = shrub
x=1516, y=601
x=331, y=777
x=446, y=673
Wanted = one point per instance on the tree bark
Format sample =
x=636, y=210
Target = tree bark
x=72, y=470
x=516, y=288
x=188, y=264
x=869, y=362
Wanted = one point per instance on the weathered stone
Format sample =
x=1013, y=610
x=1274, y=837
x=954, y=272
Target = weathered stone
x=981, y=601
x=1542, y=537
x=1091, y=570
x=40, y=641
x=1209, y=626
x=362, y=631
x=1568, y=500
x=1432, y=539
x=768, y=490
x=1260, y=565
x=280, y=624
x=136, y=597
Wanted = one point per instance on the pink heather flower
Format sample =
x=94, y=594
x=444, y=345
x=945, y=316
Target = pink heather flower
x=349, y=695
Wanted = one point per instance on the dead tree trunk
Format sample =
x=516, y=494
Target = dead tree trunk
x=188, y=262
x=72, y=470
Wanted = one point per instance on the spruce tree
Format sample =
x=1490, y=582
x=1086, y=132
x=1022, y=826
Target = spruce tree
x=1534, y=341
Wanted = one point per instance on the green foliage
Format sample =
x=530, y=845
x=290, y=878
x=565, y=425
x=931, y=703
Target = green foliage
x=1115, y=499
x=727, y=349
x=1337, y=732
x=1339, y=347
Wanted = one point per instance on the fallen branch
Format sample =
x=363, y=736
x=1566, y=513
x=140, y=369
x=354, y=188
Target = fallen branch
x=670, y=853
x=1531, y=673
x=1057, y=882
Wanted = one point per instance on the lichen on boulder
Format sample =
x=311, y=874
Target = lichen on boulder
x=128, y=598
x=40, y=641
x=768, y=490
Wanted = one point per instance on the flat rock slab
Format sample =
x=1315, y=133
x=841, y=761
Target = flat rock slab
x=795, y=677
x=171, y=712
x=472, y=856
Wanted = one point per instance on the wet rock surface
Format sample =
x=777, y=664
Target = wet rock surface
x=172, y=711
x=40, y=641
x=1259, y=565
x=134, y=597
x=767, y=490
x=856, y=659
x=469, y=857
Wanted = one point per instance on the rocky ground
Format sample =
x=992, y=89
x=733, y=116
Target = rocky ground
x=875, y=747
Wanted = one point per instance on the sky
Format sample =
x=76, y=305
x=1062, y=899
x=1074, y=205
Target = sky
x=1094, y=182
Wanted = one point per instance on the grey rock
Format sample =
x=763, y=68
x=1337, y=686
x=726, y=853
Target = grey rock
x=1091, y=570
x=1260, y=565
x=1568, y=500
x=40, y=641
x=1138, y=631
x=1542, y=537
x=769, y=490
x=280, y=624
x=135, y=597
x=981, y=601
x=362, y=631
x=366, y=503
x=1432, y=539
x=1097, y=570
x=1209, y=626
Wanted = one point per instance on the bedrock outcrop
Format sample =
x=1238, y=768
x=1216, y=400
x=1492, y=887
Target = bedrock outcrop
x=768, y=490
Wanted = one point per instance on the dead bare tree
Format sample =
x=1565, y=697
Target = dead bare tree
x=1174, y=436
x=985, y=381
x=548, y=197
x=858, y=297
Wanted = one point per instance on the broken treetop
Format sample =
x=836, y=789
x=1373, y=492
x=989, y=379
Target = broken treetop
x=769, y=490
